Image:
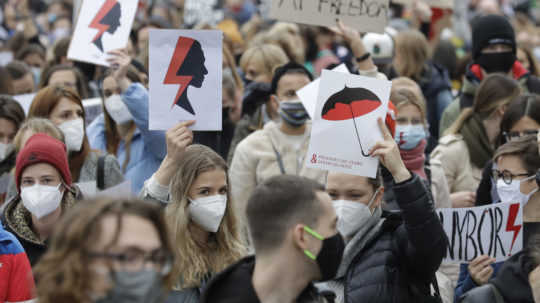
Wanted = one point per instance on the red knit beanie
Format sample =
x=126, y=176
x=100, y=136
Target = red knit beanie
x=42, y=148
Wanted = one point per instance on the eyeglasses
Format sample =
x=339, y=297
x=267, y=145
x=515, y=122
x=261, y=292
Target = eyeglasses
x=506, y=176
x=511, y=136
x=135, y=259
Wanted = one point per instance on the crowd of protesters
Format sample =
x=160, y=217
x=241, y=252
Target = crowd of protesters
x=236, y=215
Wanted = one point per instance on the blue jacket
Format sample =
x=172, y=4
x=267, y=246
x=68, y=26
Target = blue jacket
x=148, y=148
x=466, y=283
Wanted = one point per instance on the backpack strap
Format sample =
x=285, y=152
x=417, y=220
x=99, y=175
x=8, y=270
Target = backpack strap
x=101, y=173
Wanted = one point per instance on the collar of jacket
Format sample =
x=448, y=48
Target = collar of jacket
x=19, y=219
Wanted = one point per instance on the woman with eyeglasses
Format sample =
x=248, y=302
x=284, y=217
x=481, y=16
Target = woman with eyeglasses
x=107, y=251
x=193, y=186
x=515, y=177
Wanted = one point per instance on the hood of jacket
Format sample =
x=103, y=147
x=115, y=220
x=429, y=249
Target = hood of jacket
x=512, y=280
x=234, y=285
x=19, y=220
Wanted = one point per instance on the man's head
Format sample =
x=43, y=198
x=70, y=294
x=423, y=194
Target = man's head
x=292, y=217
x=494, y=43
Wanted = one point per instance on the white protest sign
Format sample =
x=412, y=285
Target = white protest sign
x=432, y=3
x=494, y=230
x=25, y=101
x=365, y=15
x=102, y=26
x=122, y=190
x=185, y=78
x=345, y=123
x=308, y=94
x=202, y=11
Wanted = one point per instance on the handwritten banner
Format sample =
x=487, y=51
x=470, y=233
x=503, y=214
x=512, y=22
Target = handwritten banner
x=495, y=230
x=364, y=15
x=432, y=3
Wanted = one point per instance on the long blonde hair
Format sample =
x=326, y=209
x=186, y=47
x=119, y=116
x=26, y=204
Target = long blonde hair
x=413, y=50
x=194, y=262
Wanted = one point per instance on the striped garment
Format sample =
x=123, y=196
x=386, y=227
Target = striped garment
x=16, y=280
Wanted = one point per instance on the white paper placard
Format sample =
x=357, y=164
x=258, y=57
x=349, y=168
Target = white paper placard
x=308, y=94
x=202, y=11
x=25, y=101
x=102, y=26
x=365, y=16
x=345, y=123
x=495, y=230
x=186, y=78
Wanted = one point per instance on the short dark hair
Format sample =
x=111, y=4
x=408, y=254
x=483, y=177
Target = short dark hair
x=11, y=110
x=17, y=69
x=527, y=105
x=288, y=69
x=82, y=84
x=277, y=205
x=526, y=149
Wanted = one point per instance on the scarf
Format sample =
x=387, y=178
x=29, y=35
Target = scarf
x=415, y=158
x=474, y=135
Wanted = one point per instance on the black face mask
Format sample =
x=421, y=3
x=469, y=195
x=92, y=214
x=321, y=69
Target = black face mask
x=497, y=62
x=329, y=257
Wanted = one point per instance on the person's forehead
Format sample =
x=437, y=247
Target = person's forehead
x=342, y=181
x=292, y=79
x=135, y=232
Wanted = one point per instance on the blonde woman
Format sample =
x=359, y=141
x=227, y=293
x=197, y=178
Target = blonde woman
x=193, y=183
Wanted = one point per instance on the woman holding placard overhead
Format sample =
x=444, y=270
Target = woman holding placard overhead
x=122, y=129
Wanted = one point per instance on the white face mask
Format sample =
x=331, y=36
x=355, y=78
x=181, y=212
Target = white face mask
x=208, y=212
x=118, y=110
x=512, y=192
x=5, y=150
x=352, y=215
x=74, y=132
x=41, y=200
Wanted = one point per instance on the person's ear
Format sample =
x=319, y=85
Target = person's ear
x=300, y=237
x=379, y=198
x=274, y=104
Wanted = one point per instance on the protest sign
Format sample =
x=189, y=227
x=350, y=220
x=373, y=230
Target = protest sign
x=25, y=101
x=102, y=26
x=308, y=94
x=364, y=15
x=202, y=11
x=185, y=78
x=433, y=3
x=494, y=230
x=345, y=123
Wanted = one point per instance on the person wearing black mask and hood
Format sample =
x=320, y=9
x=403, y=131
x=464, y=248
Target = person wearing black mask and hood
x=293, y=228
x=280, y=147
x=494, y=51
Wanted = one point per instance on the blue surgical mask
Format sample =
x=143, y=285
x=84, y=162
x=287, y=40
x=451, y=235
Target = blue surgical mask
x=409, y=136
x=36, y=71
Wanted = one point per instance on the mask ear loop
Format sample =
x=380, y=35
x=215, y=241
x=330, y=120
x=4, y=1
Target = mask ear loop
x=315, y=235
x=370, y=203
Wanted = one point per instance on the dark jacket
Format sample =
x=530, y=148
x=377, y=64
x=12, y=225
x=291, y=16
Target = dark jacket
x=17, y=220
x=512, y=283
x=234, y=285
x=8, y=163
x=218, y=141
x=399, y=263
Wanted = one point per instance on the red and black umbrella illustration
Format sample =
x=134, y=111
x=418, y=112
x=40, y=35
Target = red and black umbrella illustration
x=351, y=103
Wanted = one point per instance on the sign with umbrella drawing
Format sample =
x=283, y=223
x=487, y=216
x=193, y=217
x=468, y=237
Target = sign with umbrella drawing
x=345, y=123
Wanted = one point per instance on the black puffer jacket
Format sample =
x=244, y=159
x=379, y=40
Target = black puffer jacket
x=399, y=263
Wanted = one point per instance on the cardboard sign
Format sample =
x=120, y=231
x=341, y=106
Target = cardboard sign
x=202, y=11
x=345, y=123
x=433, y=3
x=308, y=94
x=494, y=230
x=364, y=15
x=185, y=78
x=102, y=26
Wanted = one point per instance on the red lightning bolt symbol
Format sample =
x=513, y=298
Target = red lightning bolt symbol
x=512, y=214
x=180, y=52
x=96, y=22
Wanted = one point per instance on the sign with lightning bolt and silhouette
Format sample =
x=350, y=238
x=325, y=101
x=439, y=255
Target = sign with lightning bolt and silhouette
x=185, y=78
x=345, y=123
x=494, y=230
x=102, y=26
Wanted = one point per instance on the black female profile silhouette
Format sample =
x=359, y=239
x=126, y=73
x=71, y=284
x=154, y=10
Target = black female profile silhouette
x=186, y=68
x=106, y=20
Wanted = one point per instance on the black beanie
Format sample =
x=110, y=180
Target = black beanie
x=284, y=70
x=489, y=30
